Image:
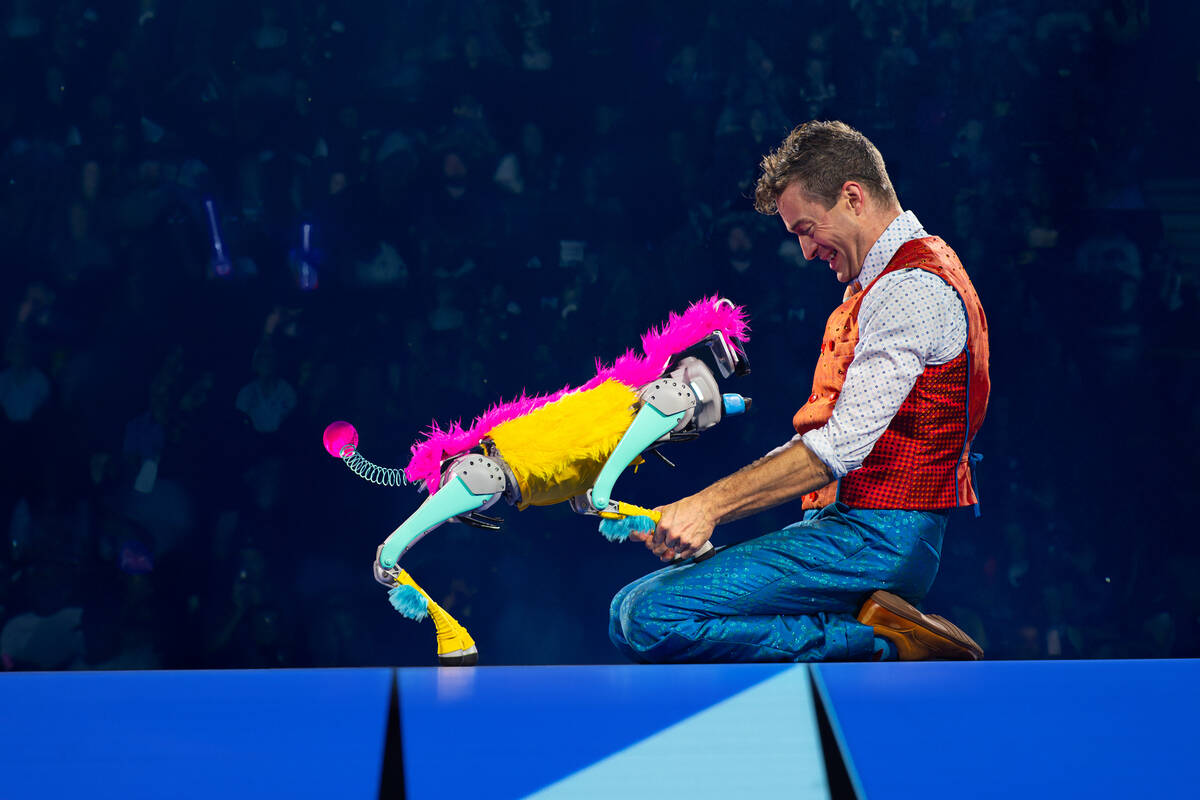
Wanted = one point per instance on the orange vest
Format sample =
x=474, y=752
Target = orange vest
x=922, y=460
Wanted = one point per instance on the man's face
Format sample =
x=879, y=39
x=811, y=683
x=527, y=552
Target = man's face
x=831, y=235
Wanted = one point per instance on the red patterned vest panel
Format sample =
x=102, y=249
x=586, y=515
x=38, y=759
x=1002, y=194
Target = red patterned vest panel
x=922, y=460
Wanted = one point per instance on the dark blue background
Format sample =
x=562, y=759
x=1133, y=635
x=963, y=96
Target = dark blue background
x=1050, y=144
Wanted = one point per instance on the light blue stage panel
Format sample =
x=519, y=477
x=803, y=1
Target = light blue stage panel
x=693, y=731
x=1027, y=729
x=267, y=733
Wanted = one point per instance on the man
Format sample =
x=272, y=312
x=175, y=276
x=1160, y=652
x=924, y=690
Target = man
x=882, y=449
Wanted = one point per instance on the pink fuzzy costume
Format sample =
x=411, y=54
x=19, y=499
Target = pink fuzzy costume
x=635, y=370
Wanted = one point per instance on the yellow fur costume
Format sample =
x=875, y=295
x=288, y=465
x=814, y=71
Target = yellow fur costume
x=558, y=451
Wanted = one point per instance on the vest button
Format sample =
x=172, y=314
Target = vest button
x=829, y=344
x=812, y=398
x=833, y=395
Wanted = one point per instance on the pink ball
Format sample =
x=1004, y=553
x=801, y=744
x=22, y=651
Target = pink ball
x=339, y=436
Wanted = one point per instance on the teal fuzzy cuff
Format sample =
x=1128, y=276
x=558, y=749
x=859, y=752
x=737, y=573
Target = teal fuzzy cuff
x=618, y=530
x=409, y=602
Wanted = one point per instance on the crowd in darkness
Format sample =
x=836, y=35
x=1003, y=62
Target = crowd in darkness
x=425, y=207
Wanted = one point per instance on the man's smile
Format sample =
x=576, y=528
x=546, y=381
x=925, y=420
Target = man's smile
x=829, y=256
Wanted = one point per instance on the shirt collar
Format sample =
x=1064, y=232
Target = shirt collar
x=904, y=228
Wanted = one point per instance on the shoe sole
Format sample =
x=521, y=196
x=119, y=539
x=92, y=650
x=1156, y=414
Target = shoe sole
x=951, y=642
x=959, y=632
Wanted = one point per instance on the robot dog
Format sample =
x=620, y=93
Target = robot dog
x=569, y=446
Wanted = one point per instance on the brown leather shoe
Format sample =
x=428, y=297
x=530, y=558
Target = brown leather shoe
x=917, y=636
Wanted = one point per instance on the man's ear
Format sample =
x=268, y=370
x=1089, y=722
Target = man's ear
x=854, y=195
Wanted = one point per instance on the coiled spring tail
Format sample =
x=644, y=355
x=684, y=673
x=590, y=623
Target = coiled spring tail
x=341, y=440
x=380, y=476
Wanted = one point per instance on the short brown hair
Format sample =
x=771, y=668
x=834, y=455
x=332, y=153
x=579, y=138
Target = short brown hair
x=822, y=156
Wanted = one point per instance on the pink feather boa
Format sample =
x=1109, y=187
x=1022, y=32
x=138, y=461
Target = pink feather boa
x=680, y=332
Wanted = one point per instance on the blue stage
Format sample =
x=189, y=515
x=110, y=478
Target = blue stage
x=989, y=729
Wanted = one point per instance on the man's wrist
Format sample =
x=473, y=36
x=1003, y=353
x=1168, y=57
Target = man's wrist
x=709, y=504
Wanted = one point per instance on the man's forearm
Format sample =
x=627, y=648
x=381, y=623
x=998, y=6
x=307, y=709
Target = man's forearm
x=776, y=478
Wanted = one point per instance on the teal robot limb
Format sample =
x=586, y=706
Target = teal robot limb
x=470, y=484
x=683, y=403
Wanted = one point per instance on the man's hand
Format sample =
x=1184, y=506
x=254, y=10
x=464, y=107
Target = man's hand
x=685, y=526
x=781, y=475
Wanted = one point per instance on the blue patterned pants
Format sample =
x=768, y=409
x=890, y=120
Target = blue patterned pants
x=790, y=595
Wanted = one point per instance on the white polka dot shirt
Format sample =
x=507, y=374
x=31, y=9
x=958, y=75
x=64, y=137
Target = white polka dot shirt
x=910, y=318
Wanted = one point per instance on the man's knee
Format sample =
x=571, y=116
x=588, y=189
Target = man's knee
x=648, y=626
x=615, y=632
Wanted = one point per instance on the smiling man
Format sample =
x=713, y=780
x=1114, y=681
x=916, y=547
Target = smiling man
x=881, y=452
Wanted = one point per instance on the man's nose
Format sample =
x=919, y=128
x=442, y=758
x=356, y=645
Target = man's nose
x=808, y=247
